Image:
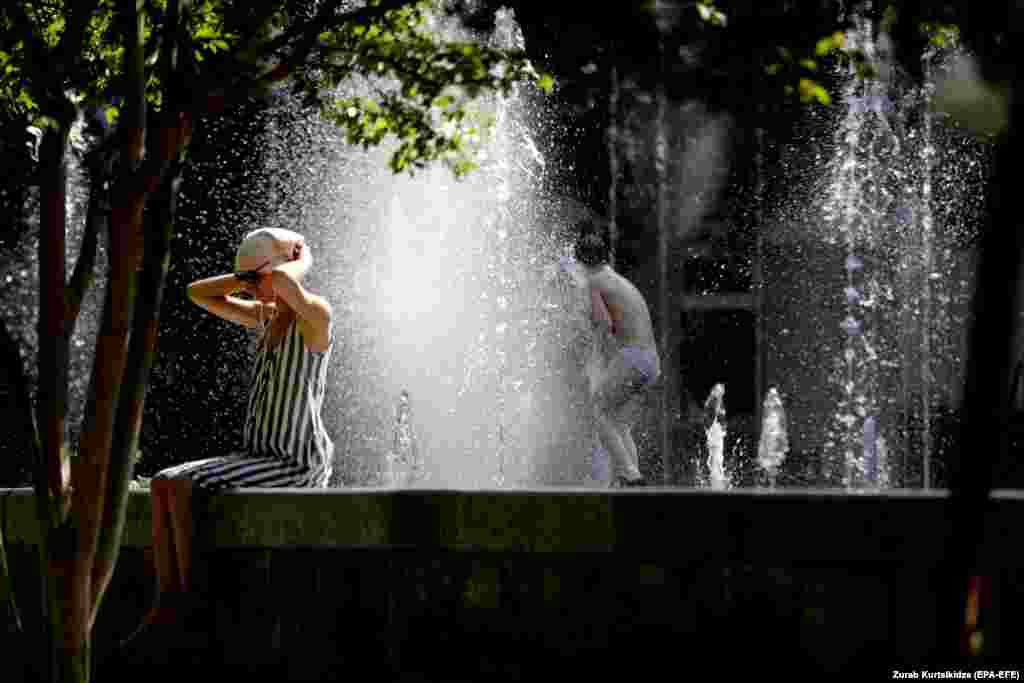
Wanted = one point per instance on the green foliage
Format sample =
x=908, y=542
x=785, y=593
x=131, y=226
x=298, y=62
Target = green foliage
x=710, y=14
x=420, y=88
x=829, y=44
x=941, y=35
x=206, y=23
x=798, y=71
x=428, y=93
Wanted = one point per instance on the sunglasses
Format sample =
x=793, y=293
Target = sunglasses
x=251, y=276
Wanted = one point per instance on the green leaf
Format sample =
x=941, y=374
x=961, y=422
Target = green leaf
x=546, y=83
x=812, y=90
x=463, y=167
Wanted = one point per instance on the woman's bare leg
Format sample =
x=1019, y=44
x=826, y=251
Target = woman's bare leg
x=180, y=515
x=164, y=560
x=164, y=553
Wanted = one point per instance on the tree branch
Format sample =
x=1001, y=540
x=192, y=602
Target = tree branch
x=141, y=354
x=162, y=171
x=51, y=403
x=90, y=469
x=327, y=19
x=83, y=275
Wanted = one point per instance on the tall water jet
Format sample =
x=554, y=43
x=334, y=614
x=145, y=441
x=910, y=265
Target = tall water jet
x=861, y=198
x=443, y=288
x=885, y=272
x=868, y=270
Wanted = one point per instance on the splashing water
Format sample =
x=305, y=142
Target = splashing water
x=870, y=284
x=19, y=278
x=443, y=288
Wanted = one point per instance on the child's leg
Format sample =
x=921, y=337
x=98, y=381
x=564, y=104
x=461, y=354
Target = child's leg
x=611, y=439
x=624, y=418
x=617, y=406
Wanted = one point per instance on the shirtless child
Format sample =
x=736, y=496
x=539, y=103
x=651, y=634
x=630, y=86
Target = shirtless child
x=621, y=314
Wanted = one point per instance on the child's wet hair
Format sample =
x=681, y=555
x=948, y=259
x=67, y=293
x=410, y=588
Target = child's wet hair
x=591, y=247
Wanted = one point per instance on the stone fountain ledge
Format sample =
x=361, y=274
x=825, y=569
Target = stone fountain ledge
x=805, y=527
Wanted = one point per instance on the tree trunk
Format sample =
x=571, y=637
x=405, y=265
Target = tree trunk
x=52, y=392
x=56, y=549
x=69, y=546
x=160, y=181
x=145, y=329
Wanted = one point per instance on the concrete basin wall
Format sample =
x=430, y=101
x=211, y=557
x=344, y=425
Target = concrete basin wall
x=466, y=585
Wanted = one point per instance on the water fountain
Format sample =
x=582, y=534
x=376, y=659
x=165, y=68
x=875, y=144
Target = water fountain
x=885, y=274
x=446, y=291
x=448, y=298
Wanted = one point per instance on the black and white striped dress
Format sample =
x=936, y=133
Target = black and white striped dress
x=286, y=444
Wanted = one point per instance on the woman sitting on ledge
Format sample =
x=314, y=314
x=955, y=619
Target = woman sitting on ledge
x=285, y=442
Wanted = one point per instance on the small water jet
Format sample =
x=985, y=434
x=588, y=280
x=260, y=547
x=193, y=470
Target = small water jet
x=715, y=431
x=774, y=442
x=403, y=467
